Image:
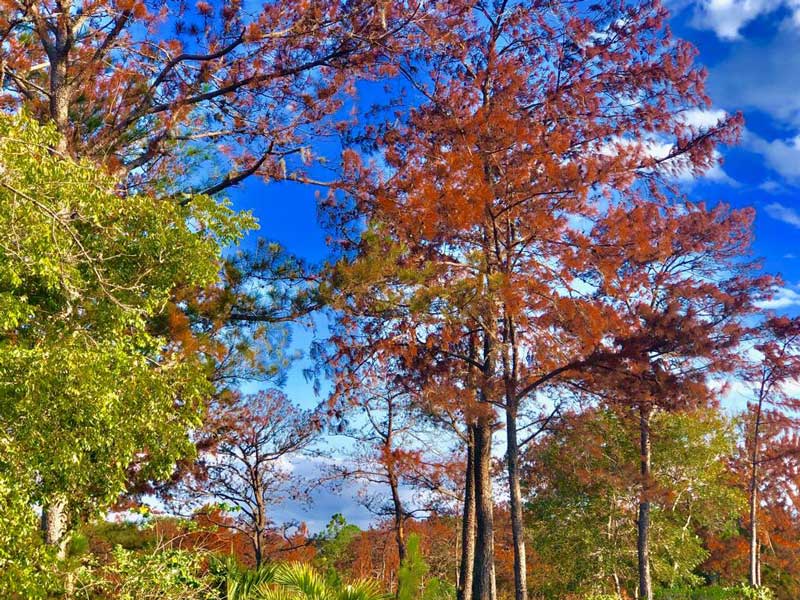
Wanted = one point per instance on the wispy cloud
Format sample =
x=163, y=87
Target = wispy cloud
x=771, y=187
x=703, y=119
x=783, y=213
x=762, y=75
x=784, y=298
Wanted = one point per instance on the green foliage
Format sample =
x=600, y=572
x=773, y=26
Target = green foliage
x=412, y=571
x=332, y=544
x=583, y=518
x=740, y=592
x=303, y=582
x=438, y=589
x=128, y=535
x=293, y=581
x=25, y=564
x=163, y=574
x=89, y=396
x=238, y=583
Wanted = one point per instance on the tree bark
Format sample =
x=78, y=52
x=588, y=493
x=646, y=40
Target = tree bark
x=643, y=525
x=260, y=524
x=465, y=578
x=58, y=53
x=258, y=551
x=755, y=568
x=59, y=101
x=517, y=522
x=483, y=584
x=54, y=525
x=399, y=519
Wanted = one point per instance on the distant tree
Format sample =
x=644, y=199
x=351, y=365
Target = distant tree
x=680, y=286
x=248, y=467
x=583, y=501
x=411, y=572
x=399, y=460
x=772, y=431
x=333, y=543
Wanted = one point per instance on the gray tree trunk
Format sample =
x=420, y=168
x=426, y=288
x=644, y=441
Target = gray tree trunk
x=517, y=521
x=399, y=519
x=643, y=525
x=483, y=584
x=54, y=523
x=464, y=591
x=755, y=568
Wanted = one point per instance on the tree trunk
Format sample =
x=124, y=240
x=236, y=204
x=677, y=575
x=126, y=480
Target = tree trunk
x=754, y=574
x=643, y=542
x=54, y=525
x=258, y=551
x=58, y=53
x=465, y=578
x=483, y=585
x=517, y=523
x=59, y=102
x=755, y=567
x=399, y=519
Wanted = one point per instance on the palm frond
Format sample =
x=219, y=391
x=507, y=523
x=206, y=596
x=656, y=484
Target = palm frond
x=361, y=589
x=303, y=581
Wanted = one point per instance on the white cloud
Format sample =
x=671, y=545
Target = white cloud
x=783, y=213
x=680, y=165
x=727, y=17
x=763, y=75
x=782, y=156
x=702, y=119
x=784, y=298
x=718, y=175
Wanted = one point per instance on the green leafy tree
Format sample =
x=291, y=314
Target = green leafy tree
x=333, y=542
x=90, y=398
x=162, y=573
x=582, y=512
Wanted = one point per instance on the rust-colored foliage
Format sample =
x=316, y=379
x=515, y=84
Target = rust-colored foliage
x=521, y=233
x=135, y=84
x=767, y=465
x=246, y=467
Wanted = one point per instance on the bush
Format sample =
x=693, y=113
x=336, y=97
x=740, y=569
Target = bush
x=164, y=574
x=715, y=592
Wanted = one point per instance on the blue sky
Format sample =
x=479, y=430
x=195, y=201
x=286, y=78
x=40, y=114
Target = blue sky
x=751, y=49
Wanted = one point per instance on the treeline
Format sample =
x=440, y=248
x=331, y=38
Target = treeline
x=530, y=330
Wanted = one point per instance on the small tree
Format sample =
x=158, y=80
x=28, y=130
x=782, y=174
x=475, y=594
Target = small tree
x=772, y=431
x=679, y=286
x=394, y=454
x=248, y=469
